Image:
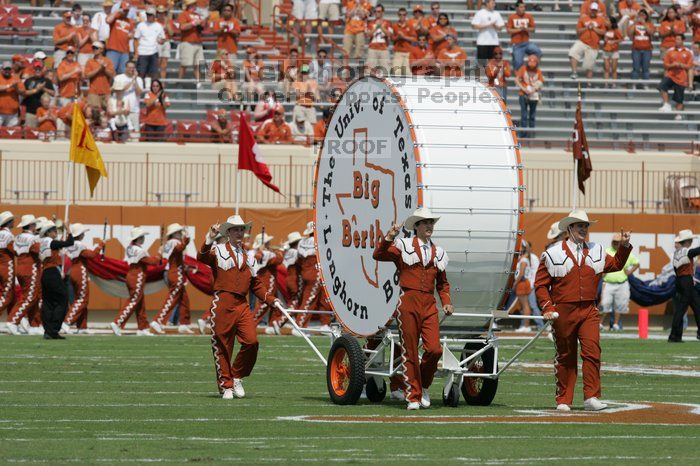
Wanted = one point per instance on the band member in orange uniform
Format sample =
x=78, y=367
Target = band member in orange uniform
x=684, y=267
x=266, y=262
x=28, y=272
x=79, y=254
x=54, y=291
x=421, y=265
x=7, y=262
x=312, y=296
x=567, y=283
x=203, y=322
x=174, y=252
x=230, y=313
x=138, y=259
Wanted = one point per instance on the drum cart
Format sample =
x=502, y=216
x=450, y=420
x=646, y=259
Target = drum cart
x=470, y=358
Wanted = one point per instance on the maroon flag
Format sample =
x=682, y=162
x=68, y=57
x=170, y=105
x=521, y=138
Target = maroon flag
x=581, y=154
x=250, y=155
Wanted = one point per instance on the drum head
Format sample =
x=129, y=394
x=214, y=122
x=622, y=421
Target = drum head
x=392, y=146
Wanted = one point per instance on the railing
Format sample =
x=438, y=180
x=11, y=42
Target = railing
x=212, y=184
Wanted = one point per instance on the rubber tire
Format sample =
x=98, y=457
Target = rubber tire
x=355, y=370
x=452, y=398
x=484, y=395
x=375, y=394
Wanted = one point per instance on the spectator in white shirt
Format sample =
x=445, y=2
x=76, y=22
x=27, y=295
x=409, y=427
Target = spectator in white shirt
x=148, y=37
x=321, y=70
x=133, y=88
x=76, y=15
x=302, y=130
x=99, y=21
x=487, y=22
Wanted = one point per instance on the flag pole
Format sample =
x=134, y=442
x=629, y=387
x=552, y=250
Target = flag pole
x=69, y=192
x=575, y=177
x=238, y=164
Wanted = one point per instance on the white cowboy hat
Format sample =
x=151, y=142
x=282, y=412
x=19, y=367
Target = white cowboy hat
x=27, y=220
x=137, y=233
x=309, y=229
x=685, y=235
x=293, y=237
x=46, y=226
x=258, y=240
x=576, y=216
x=234, y=221
x=78, y=229
x=554, y=231
x=118, y=85
x=421, y=213
x=173, y=228
x=6, y=217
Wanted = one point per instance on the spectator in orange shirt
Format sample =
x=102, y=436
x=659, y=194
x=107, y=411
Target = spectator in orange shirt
x=404, y=38
x=356, y=14
x=306, y=92
x=223, y=76
x=641, y=33
x=65, y=113
x=439, y=33
x=628, y=10
x=266, y=106
x=677, y=62
x=221, y=129
x=46, y=117
x=452, y=58
x=253, y=74
x=227, y=29
x=121, y=30
x=419, y=22
x=422, y=58
x=585, y=50
x=156, y=121
x=86, y=36
x=321, y=126
x=10, y=89
x=497, y=72
x=378, y=32
x=530, y=81
x=191, y=50
x=587, y=6
x=520, y=25
x=99, y=71
x=694, y=22
x=671, y=25
x=20, y=66
x=611, y=52
x=69, y=75
x=64, y=35
x=432, y=20
x=289, y=72
x=275, y=131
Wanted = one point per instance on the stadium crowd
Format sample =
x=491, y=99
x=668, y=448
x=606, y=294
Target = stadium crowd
x=113, y=64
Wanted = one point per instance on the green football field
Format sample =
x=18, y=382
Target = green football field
x=103, y=399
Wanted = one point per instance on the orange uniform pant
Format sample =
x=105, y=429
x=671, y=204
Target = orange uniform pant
x=7, y=286
x=231, y=319
x=135, y=283
x=313, y=299
x=77, y=312
x=29, y=279
x=177, y=294
x=577, y=322
x=418, y=318
x=261, y=308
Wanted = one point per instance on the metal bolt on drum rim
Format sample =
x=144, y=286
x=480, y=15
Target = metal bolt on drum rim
x=340, y=372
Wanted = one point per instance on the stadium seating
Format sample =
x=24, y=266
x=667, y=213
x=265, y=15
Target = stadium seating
x=616, y=117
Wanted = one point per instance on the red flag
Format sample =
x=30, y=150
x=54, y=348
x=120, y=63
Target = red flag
x=250, y=155
x=581, y=150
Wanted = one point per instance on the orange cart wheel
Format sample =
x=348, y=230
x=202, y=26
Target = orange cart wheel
x=345, y=373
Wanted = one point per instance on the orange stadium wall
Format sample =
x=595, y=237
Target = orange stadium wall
x=652, y=235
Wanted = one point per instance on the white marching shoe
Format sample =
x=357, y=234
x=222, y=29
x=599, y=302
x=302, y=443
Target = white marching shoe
x=24, y=325
x=413, y=406
x=144, y=333
x=185, y=329
x=276, y=326
x=85, y=331
x=36, y=330
x=397, y=395
x=13, y=328
x=296, y=333
x=425, y=399
x=594, y=404
x=156, y=327
x=324, y=328
x=270, y=331
x=228, y=394
x=563, y=407
x=116, y=329
x=202, y=324
x=523, y=329
x=238, y=388
x=65, y=328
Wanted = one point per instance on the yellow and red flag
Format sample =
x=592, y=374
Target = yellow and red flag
x=83, y=149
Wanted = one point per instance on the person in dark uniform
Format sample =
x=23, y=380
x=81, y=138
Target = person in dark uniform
x=683, y=265
x=54, y=290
